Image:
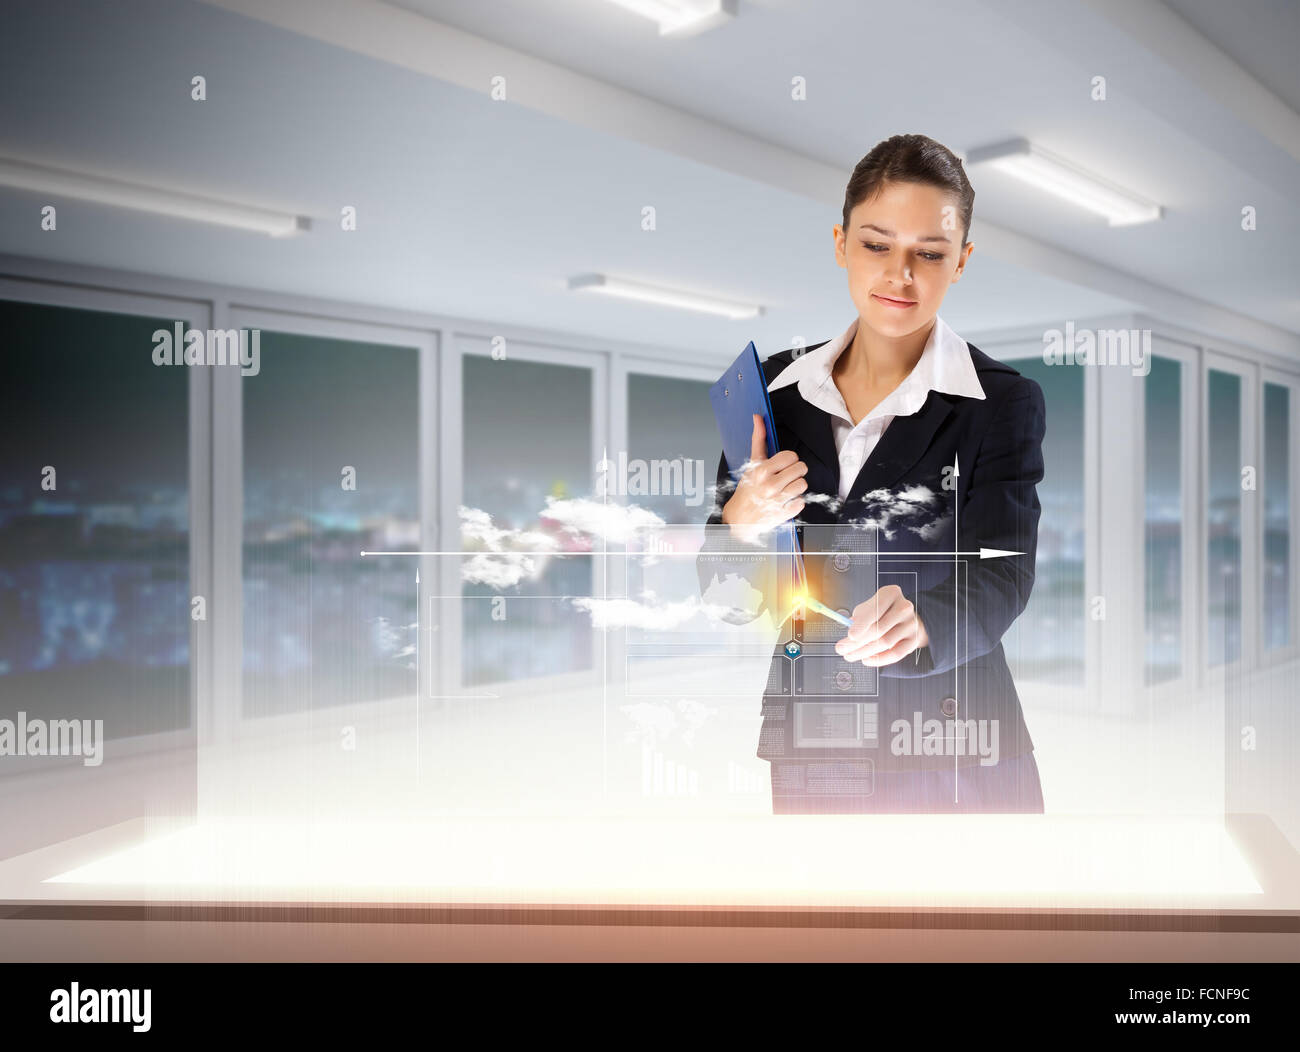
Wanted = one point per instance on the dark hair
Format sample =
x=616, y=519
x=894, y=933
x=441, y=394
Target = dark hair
x=911, y=159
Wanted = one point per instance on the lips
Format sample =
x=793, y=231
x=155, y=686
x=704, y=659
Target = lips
x=889, y=301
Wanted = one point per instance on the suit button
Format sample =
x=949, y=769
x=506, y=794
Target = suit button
x=841, y=562
x=948, y=706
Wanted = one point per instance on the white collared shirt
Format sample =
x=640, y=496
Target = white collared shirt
x=945, y=365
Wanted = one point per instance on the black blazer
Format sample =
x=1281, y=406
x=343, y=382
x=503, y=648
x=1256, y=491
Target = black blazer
x=996, y=443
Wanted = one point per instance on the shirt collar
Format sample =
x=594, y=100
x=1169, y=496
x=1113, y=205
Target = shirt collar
x=945, y=365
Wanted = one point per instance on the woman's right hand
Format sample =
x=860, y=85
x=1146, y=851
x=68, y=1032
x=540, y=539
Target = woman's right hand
x=768, y=491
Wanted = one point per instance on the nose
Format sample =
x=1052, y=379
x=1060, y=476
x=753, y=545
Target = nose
x=898, y=270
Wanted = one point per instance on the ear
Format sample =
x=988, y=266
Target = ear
x=962, y=257
x=837, y=232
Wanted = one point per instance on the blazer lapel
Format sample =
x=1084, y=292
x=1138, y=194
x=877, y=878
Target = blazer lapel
x=904, y=441
x=901, y=446
x=810, y=423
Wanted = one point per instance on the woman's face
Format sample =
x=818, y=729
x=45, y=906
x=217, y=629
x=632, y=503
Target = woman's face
x=902, y=250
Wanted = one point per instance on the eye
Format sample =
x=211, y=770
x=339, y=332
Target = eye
x=929, y=257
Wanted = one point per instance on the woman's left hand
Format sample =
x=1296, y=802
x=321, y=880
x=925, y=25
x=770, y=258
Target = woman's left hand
x=885, y=628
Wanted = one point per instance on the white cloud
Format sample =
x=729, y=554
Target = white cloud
x=596, y=518
x=887, y=507
x=719, y=603
x=499, y=569
x=508, y=559
x=476, y=525
x=832, y=502
x=930, y=530
x=628, y=613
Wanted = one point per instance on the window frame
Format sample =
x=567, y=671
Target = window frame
x=465, y=341
x=227, y=723
x=1247, y=371
x=1023, y=343
x=1266, y=659
x=1191, y=464
x=195, y=313
x=624, y=367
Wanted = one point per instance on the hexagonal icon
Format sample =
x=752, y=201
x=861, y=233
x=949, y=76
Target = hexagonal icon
x=792, y=648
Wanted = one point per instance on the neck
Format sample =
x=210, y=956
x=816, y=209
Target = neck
x=881, y=361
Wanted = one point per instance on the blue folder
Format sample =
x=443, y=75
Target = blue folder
x=740, y=393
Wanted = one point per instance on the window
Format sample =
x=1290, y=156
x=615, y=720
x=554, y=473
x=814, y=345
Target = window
x=527, y=436
x=670, y=468
x=1047, y=643
x=94, y=521
x=1223, y=517
x=331, y=468
x=1164, y=518
x=1277, y=626
x=673, y=444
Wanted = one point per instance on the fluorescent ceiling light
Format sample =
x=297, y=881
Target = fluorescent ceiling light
x=635, y=290
x=58, y=182
x=1046, y=171
x=682, y=17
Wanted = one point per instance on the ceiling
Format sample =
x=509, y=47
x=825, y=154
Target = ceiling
x=482, y=209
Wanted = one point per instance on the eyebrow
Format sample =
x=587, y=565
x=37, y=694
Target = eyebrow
x=890, y=233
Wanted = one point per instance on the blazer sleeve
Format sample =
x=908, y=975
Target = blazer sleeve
x=999, y=509
x=722, y=555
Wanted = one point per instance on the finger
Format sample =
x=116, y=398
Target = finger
x=783, y=477
x=793, y=490
x=783, y=506
x=900, y=615
x=872, y=617
x=758, y=441
x=853, y=650
x=770, y=506
x=774, y=497
x=769, y=511
x=781, y=459
x=901, y=635
x=894, y=653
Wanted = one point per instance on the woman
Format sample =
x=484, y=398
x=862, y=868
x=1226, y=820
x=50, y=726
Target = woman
x=904, y=451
